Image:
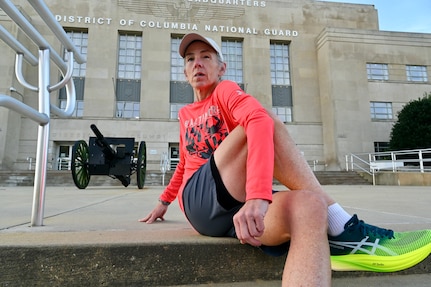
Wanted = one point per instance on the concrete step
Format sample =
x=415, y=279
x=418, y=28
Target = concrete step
x=340, y=178
x=153, y=178
x=164, y=264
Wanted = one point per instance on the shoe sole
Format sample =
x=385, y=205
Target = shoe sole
x=375, y=263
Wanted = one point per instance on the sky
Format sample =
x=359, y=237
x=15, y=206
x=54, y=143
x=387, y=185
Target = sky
x=400, y=15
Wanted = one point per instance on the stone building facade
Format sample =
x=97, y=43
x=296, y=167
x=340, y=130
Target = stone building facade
x=325, y=68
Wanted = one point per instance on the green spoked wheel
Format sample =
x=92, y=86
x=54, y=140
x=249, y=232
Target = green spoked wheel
x=80, y=169
x=141, y=169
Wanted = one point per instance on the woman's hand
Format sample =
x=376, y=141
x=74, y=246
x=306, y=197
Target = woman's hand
x=157, y=213
x=249, y=222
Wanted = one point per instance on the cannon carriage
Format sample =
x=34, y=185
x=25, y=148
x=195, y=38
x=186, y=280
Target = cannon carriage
x=111, y=156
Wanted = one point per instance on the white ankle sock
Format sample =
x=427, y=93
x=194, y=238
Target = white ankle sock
x=337, y=218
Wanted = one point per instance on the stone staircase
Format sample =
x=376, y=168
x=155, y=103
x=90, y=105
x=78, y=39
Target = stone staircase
x=154, y=178
x=341, y=178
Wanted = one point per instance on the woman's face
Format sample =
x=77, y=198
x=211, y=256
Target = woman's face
x=202, y=67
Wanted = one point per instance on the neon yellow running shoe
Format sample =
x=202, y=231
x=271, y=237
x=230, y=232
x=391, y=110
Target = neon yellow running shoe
x=364, y=247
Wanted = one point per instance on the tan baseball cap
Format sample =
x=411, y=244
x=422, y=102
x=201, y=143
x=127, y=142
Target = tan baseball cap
x=191, y=37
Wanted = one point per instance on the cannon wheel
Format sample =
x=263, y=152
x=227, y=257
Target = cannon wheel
x=80, y=169
x=141, y=165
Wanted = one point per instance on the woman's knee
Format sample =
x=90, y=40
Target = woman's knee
x=313, y=204
x=294, y=212
x=307, y=205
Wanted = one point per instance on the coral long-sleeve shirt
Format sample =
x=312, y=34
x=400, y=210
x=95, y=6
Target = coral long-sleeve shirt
x=205, y=124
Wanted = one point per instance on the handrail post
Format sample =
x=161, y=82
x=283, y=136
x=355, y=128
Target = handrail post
x=42, y=142
x=346, y=158
x=374, y=176
x=421, y=161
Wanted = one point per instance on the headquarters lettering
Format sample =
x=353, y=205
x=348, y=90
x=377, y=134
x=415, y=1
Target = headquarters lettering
x=248, y=3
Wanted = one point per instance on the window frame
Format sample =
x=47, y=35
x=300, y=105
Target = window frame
x=387, y=115
x=377, y=72
x=416, y=73
x=233, y=54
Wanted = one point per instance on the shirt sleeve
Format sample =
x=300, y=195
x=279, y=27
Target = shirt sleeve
x=245, y=110
x=172, y=189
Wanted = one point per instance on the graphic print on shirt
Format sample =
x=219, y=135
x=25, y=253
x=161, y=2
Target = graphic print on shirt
x=205, y=133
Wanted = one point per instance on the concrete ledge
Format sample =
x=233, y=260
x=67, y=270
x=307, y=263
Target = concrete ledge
x=147, y=265
x=400, y=178
x=404, y=178
x=92, y=238
x=135, y=265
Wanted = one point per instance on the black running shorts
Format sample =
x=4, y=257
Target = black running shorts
x=208, y=205
x=210, y=208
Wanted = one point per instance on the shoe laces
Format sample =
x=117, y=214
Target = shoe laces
x=367, y=229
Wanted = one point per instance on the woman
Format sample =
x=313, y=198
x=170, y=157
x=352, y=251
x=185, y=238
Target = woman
x=230, y=150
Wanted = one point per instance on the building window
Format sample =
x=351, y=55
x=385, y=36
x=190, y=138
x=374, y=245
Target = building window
x=127, y=109
x=175, y=109
x=416, y=73
x=181, y=93
x=129, y=56
x=80, y=40
x=280, y=80
x=233, y=56
x=283, y=113
x=128, y=84
x=177, y=62
x=377, y=72
x=381, y=111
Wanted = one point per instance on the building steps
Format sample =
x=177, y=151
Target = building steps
x=154, y=178
x=341, y=178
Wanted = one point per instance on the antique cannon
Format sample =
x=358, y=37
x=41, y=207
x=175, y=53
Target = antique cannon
x=110, y=156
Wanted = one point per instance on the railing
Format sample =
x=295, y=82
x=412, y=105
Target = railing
x=417, y=160
x=64, y=163
x=42, y=115
x=317, y=165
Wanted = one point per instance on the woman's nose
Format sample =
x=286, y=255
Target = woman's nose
x=198, y=63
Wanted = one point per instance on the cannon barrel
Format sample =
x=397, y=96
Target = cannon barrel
x=103, y=143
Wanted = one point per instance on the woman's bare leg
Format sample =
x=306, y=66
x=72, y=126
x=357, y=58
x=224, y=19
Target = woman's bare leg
x=298, y=215
x=290, y=167
x=302, y=216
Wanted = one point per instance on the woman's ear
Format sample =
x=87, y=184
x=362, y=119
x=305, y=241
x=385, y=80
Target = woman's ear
x=222, y=69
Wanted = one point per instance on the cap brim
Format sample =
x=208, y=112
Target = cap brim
x=191, y=37
x=188, y=39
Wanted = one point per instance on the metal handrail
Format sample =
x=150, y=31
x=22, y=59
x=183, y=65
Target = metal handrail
x=42, y=116
x=363, y=165
x=21, y=108
x=17, y=46
x=12, y=11
x=56, y=28
x=395, y=161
